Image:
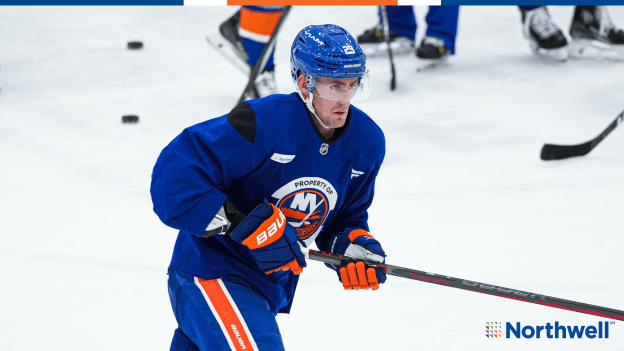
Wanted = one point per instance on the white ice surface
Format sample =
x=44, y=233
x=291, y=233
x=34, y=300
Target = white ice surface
x=462, y=191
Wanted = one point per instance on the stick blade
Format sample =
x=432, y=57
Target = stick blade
x=552, y=152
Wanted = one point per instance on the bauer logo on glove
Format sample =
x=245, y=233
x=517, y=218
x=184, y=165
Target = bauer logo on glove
x=268, y=232
x=273, y=243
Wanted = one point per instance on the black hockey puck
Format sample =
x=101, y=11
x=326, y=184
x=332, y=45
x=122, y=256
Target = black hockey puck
x=135, y=45
x=130, y=119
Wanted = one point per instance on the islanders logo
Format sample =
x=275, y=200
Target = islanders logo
x=306, y=202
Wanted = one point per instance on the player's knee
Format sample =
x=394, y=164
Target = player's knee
x=181, y=342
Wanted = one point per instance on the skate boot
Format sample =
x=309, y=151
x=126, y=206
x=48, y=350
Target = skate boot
x=229, y=43
x=265, y=84
x=431, y=53
x=545, y=38
x=594, y=35
x=373, y=43
x=229, y=30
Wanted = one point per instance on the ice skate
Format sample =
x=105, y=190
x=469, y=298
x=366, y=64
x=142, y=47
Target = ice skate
x=373, y=43
x=544, y=37
x=265, y=84
x=431, y=53
x=594, y=36
x=228, y=43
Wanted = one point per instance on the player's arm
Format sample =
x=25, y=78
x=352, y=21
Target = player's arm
x=212, y=156
x=190, y=171
x=348, y=235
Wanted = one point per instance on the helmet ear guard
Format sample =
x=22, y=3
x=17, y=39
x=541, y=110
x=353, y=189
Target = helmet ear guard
x=310, y=81
x=308, y=100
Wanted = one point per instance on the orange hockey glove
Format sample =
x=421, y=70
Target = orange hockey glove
x=359, y=245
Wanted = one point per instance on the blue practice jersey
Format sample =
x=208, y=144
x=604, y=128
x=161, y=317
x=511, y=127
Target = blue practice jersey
x=265, y=148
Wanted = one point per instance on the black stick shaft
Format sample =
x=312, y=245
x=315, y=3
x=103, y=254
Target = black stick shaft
x=609, y=129
x=464, y=284
x=264, y=57
x=386, y=29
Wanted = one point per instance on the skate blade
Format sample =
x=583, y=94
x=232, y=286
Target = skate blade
x=595, y=50
x=399, y=47
x=559, y=55
x=427, y=64
x=229, y=52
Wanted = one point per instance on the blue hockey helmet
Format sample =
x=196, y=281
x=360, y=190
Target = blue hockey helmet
x=327, y=51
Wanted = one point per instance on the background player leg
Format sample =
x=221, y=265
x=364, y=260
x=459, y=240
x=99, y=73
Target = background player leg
x=256, y=26
x=402, y=24
x=228, y=43
x=439, y=40
x=241, y=39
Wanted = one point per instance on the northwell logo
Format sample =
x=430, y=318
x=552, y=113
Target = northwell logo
x=549, y=331
x=282, y=158
x=493, y=329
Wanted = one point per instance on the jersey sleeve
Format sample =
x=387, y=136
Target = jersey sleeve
x=190, y=173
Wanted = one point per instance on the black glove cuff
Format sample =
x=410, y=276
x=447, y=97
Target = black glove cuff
x=232, y=215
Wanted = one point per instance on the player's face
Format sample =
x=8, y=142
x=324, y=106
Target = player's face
x=332, y=98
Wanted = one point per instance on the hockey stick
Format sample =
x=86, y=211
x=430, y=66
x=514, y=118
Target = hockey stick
x=386, y=29
x=559, y=152
x=264, y=57
x=474, y=286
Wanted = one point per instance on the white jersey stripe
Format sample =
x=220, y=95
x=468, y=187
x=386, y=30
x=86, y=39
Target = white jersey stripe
x=253, y=36
x=240, y=317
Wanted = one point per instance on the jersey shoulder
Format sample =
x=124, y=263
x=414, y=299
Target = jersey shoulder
x=366, y=131
x=265, y=120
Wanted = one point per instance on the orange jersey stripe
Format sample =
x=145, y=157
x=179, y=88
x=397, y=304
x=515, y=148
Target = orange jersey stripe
x=227, y=314
x=260, y=23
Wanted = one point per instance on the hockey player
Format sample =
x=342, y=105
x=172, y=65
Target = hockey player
x=245, y=34
x=592, y=32
x=250, y=189
x=439, y=40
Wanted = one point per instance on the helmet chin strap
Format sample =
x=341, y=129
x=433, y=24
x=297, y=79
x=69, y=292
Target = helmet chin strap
x=308, y=103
